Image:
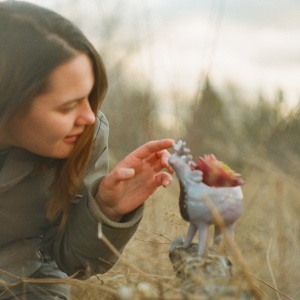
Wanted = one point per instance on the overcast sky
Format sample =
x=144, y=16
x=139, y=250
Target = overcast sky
x=254, y=45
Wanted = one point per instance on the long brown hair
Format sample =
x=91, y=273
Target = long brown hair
x=33, y=42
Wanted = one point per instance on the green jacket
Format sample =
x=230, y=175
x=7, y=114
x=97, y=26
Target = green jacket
x=28, y=240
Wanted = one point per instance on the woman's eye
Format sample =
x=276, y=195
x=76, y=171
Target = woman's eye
x=67, y=109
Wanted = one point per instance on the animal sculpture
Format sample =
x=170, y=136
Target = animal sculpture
x=224, y=193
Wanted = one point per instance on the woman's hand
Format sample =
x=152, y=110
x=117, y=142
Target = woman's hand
x=134, y=179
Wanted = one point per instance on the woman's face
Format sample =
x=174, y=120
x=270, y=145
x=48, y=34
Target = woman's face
x=57, y=117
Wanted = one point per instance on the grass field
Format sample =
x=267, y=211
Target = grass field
x=267, y=236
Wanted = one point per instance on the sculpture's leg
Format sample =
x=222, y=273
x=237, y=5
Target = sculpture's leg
x=203, y=231
x=217, y=235
x=230, y=230
x=190, y=234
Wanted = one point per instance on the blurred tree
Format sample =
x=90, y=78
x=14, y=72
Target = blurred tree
x=209, y=129
x=224, y=125
x=284, y=146
x=292, y=131
x=273, y=134
x=261, y=122
x=130, y=111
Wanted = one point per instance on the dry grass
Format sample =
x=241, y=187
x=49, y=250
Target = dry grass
x=267, y=235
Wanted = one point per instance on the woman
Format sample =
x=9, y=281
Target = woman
x=54, y=183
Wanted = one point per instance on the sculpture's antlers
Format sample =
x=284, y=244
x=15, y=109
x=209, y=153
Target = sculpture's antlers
x=180, y=148
x=182, y=151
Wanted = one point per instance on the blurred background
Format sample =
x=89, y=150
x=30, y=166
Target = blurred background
x=225, y=77
x=222, y=75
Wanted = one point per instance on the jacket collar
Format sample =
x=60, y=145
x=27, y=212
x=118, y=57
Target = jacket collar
x=19, y=163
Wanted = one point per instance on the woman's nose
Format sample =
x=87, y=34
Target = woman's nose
x=86, y=115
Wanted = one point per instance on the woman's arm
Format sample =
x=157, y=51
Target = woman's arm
x=134, y=179
x=113, y=199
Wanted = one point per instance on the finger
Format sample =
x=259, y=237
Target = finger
x=165, y=161
x=124, y=173
x=118, y=175
x=161, y=158
x=163, y=179
x=164, y=158
x=159, y=164
x=152, y=147
x=157, y=167
x=155, y=157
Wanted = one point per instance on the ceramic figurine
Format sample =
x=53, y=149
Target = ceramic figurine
x=210, y=179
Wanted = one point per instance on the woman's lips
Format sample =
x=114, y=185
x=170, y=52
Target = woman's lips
x=71, y=138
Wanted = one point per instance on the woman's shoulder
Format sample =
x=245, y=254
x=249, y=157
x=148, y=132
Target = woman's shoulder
x=101, y=135
x=98, y=162
x=102, y=125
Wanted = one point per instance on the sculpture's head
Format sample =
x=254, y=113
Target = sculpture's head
x=180, y=158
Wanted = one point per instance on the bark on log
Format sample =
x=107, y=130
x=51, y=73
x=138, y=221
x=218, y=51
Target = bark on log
x=211, y=276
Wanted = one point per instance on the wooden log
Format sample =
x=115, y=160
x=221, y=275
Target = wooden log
x=211, y=276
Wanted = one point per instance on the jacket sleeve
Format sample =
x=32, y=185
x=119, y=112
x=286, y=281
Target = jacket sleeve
x=77, y=247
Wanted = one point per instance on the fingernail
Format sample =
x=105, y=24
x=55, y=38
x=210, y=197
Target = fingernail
x=127, y=172
x=166, y=183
